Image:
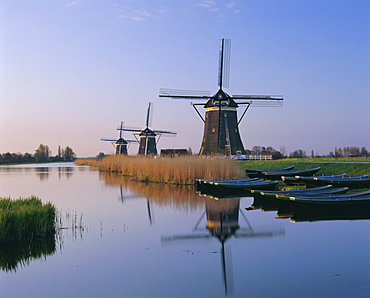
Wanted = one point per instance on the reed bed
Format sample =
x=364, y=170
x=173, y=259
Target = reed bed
x=179, y=170
x=26, y=219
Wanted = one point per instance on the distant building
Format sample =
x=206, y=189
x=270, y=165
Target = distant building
x=174, y=152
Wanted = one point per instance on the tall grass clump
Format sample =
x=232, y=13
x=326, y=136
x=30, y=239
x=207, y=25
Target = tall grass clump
x=178, y=170
x=26, y=219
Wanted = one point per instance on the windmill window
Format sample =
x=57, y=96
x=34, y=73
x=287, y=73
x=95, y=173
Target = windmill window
x=213, y=129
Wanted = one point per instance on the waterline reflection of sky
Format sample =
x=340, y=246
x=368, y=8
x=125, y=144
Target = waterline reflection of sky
x=154, y=241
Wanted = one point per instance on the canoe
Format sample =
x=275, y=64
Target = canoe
x=359, y=197
x=225, y=189
x=253, y=173
x=294, y=181
x=344, y=181
x=255, y=184
x=202, y=181
x=275, y=175
x=298, y=212
x=328, y=189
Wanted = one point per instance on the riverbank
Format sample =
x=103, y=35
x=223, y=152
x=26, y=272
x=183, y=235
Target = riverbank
x=329, y=166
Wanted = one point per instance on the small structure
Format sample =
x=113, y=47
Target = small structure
x=174, y=152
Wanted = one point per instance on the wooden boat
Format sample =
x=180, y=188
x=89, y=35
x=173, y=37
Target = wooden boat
x=228, y=189
x=359, y=197
x=253, y=173
x=298, y=212
x=202, y=181
x=294, y=181
x=362, y=181
x=328, y=189
x=275, y=175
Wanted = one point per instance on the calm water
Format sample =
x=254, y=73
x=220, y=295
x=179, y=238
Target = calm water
x=137, y=240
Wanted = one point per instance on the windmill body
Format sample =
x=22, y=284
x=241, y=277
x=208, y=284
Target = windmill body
x=148, y=145
x=147, y=137
x=120, y=144
x=221, y=124
x=221, y=131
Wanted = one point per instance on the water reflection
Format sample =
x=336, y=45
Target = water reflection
x=222, y=222
x=20, y=254
x=300, y=212
x=222, y=216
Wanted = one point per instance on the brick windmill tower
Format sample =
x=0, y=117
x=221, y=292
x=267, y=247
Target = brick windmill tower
x=221, y=123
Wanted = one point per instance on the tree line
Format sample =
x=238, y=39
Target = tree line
x=42, y=154
x=351, y=151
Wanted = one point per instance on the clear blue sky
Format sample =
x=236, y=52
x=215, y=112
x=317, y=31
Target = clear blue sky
x=72, y=70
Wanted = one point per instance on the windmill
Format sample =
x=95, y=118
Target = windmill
x=222, y=222
x=221, y=125
x=148, y=142
x=121, y=143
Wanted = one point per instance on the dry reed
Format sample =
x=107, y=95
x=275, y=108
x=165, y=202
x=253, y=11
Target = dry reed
x=179, y=170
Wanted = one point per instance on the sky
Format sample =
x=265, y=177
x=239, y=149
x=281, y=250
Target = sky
x=71, y=71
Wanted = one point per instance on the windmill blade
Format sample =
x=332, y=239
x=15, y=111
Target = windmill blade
x=184, y=94
x=109, y=140
x=260, y=100
x=132, y=130
x=120, y=130
x=263, y=103
x=167, y=239
x=166, y=132
x=224, y=63
x=148, y=115
x=260, y=97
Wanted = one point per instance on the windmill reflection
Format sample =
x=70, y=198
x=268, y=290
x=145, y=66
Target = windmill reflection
x=124, y=197
x=222, y=222
x=221, y=217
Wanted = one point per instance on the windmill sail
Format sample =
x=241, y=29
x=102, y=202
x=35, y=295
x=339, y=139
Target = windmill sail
x=221, y=126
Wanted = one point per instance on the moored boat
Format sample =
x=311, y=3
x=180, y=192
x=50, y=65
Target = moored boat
x=359, y=197
x=229, y=189
x=252, y=173
x=289, y=180
x=328, y=189
x=361, y=181
x=276, y=175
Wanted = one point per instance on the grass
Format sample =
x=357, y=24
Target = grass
x=180, y=170
x=329, y=166
x=26, y=219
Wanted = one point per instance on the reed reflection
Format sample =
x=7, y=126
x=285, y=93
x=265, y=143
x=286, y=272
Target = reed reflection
x=180, y=197
x=20, y=254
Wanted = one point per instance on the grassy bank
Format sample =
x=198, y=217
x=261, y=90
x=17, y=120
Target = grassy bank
x=180, y=170
x=329, y=166
x=25, y=219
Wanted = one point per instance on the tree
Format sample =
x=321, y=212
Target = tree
x=100, y=155
x=298, y=154
x=42, y=153
x=68, y=154
x=364, y=151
